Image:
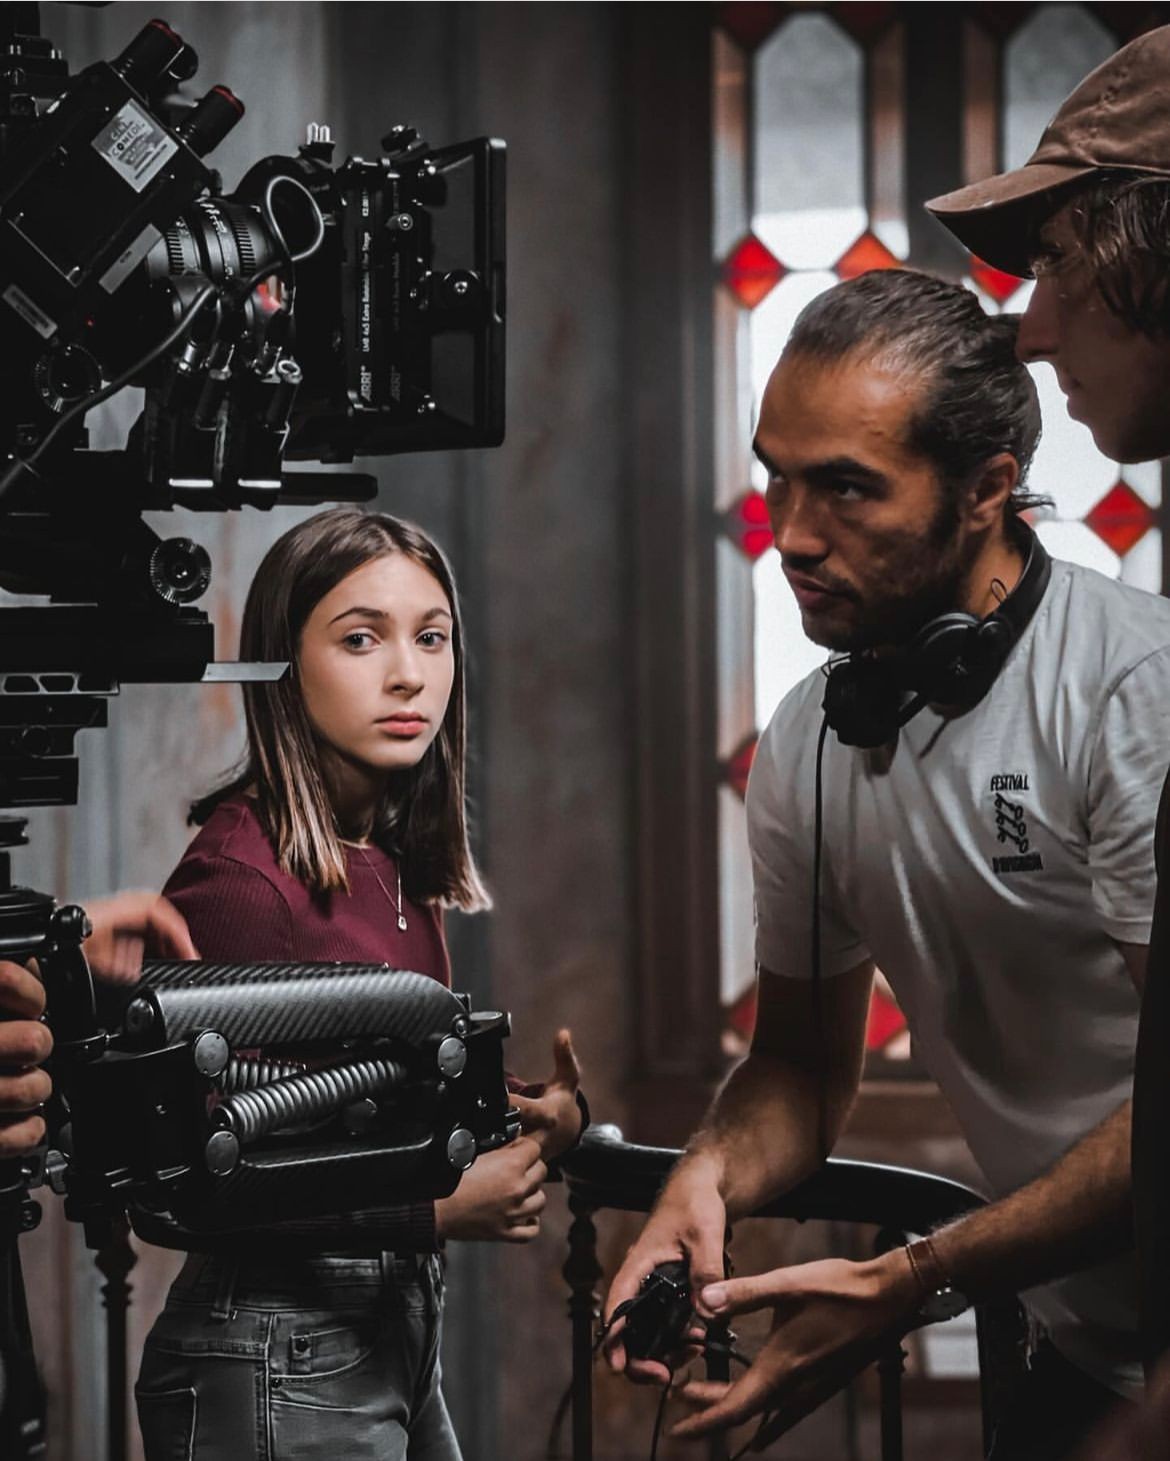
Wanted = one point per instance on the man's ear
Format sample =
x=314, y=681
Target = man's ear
x=987, y=496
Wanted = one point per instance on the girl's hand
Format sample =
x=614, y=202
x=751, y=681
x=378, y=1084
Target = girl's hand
x=499, y=1198
x=553, y=1119
x=125, y=926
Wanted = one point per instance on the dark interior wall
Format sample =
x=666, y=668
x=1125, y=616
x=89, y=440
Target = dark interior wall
x=538, y=532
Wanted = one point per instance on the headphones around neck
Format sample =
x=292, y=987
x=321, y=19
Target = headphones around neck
x=952, y=661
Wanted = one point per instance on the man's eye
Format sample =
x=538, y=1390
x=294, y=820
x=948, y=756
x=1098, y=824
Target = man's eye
x=1047, y=261
x=847, y=491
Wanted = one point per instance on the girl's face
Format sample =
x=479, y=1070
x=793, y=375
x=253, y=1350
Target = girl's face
x=376, y=664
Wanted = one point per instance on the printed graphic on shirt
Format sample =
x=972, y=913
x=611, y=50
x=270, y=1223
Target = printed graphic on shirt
x=1011, y=826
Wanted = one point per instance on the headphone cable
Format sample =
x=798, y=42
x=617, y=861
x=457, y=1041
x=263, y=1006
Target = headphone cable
x=816, y=991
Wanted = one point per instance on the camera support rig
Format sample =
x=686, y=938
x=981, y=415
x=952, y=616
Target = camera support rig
x=314, y=314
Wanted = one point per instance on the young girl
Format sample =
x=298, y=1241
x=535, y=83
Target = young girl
x=341, y=838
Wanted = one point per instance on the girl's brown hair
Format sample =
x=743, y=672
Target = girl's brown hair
x=422, y=819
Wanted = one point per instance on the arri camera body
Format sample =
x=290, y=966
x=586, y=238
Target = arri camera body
x=315, y=313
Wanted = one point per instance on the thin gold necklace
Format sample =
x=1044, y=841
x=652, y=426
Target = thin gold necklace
x=397, y=906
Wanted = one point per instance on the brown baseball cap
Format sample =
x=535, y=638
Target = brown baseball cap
x=1118, y=117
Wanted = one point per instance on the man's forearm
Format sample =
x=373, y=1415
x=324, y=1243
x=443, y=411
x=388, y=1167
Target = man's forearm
x=763, y=1132
x=1077, y=1214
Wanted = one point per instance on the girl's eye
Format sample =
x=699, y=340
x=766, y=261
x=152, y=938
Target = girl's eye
x=432, y=638
x=358, y=639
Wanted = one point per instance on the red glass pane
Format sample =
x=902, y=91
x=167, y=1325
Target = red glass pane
x=885, y=1018
x=741, y=1016
x=864, y=254
x=738, y=765
x=749, y=24
x=752, y=271
x=885, y=1021
x=748, y=526
x=864, y=21
x=993, y=281
x=754, y=510
x=1001, y=19
x=1121, y=518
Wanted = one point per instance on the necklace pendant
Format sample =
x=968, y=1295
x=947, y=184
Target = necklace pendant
x=402, y=922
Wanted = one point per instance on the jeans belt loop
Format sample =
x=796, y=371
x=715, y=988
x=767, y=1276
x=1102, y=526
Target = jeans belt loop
x=221, y=1309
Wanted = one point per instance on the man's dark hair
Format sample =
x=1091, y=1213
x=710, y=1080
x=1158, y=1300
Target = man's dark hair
x=978, y=401
x=1121, y=221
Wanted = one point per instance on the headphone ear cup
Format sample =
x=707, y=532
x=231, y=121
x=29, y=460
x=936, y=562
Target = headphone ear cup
x=942, y=656
x=862, y=703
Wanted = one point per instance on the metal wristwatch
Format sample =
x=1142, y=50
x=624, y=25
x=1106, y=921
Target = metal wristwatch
x=940, y=1299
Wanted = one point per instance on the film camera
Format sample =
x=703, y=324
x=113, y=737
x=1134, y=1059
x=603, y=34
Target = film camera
x=318, y=312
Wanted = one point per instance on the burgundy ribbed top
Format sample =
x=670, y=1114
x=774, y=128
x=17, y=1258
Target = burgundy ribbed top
x=240, y=906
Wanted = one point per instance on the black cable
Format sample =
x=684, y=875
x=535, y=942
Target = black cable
x=658, y=1419
x=558, y=1420
x=290, y=260
x=22, y=464
x=816, y=991
x=270, y=217
x=751, y=1444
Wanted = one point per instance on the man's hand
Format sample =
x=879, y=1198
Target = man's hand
x=24, y=1043
x=125, y=926
x=553, y=1119
x=499, y=1198
x=829, y=1320
x=688, y=1222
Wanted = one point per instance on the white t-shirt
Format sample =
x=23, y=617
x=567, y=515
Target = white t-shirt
x=988, y=865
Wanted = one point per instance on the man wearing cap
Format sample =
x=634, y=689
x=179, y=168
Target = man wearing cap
x=1089, y=216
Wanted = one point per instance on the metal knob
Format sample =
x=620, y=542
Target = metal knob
x=222, y=1153
x=461, y=1148
x=452, y=1056
x=210, y=1053
x=139, y=1017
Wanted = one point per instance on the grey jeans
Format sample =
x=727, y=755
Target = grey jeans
x=309, y=1359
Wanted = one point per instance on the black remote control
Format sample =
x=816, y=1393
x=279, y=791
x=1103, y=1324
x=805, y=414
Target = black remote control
x=657, y=1320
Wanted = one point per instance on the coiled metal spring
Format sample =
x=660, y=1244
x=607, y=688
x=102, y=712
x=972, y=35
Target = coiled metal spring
x=245, y=1073
x=305, y=1097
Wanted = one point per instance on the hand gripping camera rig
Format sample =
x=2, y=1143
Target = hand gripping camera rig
x=313, y=313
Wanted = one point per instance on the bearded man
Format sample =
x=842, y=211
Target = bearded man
x=978, y=827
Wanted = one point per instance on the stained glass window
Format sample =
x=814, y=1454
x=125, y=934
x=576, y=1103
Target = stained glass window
x=810, y=187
